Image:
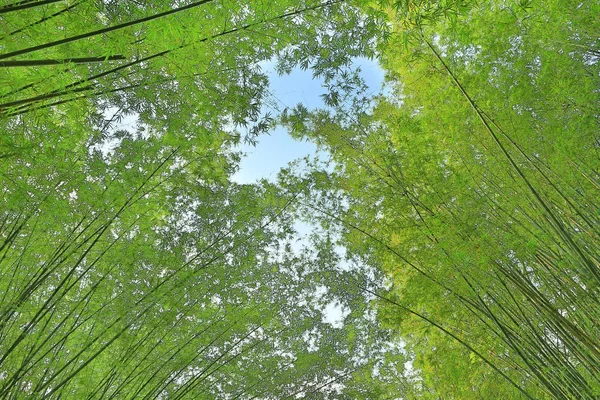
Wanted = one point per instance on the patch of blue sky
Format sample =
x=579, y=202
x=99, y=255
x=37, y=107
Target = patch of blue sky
x=277, y=149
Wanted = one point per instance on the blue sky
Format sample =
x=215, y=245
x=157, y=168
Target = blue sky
x=276, y=150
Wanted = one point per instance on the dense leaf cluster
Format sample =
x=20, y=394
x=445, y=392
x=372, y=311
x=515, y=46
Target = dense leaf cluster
x=131, y=265
x=474, y=185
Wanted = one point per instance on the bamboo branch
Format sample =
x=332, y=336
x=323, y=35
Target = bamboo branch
x=21, y=5
x=75, y=60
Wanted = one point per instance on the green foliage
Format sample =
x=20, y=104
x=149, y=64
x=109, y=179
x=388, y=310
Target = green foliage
x=134, y=275
x=188, y=69
x=131, y=266
x=474, y=185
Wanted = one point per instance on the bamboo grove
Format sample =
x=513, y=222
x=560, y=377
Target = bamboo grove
x=477, y=194
x=464, y=197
